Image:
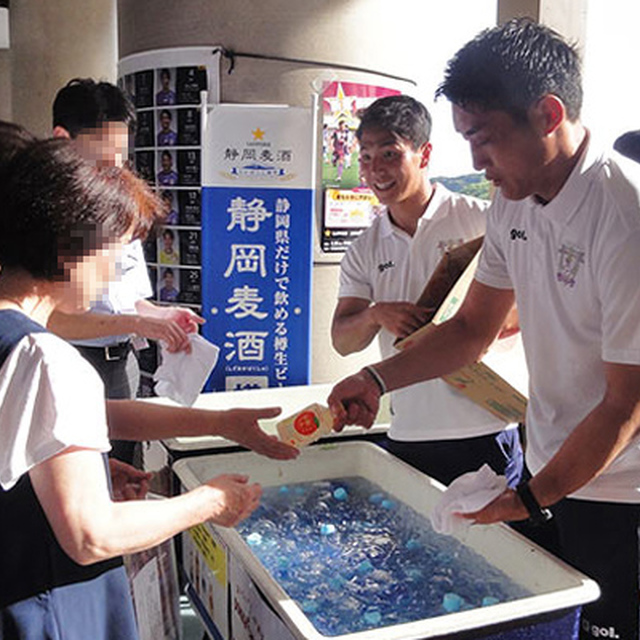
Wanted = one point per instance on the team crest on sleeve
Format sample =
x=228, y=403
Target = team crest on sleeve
x=569, y=264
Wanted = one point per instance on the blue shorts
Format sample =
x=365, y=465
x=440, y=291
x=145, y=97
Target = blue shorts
x=97, y=609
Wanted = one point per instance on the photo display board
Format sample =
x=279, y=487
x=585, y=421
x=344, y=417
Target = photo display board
x=165, y=87
x=166, y=150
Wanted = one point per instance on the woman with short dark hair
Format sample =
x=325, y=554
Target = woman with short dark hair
x=62, y=221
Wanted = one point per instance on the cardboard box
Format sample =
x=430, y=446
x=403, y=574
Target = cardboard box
x=477, y=381
x=153, y=580
x=205, y=560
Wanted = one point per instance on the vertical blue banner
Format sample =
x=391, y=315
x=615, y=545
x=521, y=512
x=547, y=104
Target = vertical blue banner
x=257, y=215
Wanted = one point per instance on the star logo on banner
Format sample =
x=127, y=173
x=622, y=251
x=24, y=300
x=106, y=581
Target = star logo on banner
x=339, y=106
x=258, y=134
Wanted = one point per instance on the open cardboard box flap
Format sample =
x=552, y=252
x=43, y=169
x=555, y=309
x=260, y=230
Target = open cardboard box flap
x=444, y=292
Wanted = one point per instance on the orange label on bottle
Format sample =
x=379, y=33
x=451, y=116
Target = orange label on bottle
x=306, y=423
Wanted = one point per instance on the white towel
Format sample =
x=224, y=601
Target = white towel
x=466, y=494
x=181, y=375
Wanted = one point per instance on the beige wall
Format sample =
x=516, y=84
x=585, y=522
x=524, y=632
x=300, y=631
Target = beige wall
x=327, y=365
x=52, y=42
x=342, y=31
x=5, y=83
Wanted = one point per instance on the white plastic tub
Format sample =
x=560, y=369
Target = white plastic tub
x=558, y=590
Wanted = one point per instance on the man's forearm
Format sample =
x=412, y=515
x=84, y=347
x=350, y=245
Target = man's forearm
x=84, y=326
x=354, y=332
x=447, y=347
x=443, y=349
x=587, y=452
x=150, y=310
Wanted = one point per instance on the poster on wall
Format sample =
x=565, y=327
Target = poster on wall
x=341, y=102
x=346, y=214
x=348, y=205
x=165, y=88
x=257, y=212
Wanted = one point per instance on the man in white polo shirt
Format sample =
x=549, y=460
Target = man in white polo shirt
x=563, y=235
x=434, y=427
x=98, y=117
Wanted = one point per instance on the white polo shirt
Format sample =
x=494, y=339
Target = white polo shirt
x=385, y=264
x=575, y=268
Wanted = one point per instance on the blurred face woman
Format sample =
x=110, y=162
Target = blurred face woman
x=62, y=222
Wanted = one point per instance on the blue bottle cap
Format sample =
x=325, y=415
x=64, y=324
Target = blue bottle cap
x=327, y=528
x=340, y=493
x=452, y=602
x=254, y=539
x=372, y=616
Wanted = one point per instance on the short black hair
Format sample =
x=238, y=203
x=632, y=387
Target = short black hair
x=58, y=208
x=401, y=115
x=628, y=144
x=86, y=104
x=510, y=67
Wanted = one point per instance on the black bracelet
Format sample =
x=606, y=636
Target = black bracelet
x=376, y=378
x=537, y=514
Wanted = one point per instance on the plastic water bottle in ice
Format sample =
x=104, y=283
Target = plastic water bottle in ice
x=306, y=426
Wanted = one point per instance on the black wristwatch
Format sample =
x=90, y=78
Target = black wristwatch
x=537, y=514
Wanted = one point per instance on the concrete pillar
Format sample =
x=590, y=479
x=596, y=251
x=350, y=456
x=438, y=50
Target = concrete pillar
x=5, y=83
x=52, y=42
x=361, y=33
x=567, y=17
x=508, y=9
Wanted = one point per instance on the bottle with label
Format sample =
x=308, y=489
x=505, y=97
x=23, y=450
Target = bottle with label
x=306, y=426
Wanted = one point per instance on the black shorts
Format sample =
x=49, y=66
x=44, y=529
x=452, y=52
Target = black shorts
x=445, y=460
x=601, y=539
